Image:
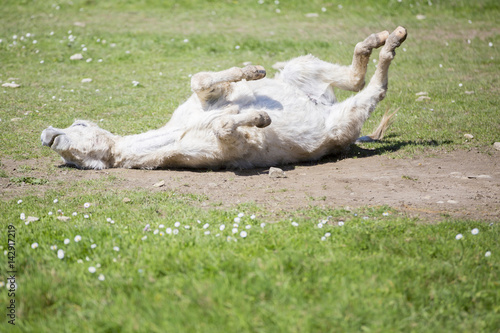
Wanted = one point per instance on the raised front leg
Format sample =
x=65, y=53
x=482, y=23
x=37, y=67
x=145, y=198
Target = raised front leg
x=212, y=86
x=225, y=127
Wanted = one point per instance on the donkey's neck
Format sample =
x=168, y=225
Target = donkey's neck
x=139, y=146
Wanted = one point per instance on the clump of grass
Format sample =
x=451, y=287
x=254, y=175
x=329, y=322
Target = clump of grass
x=28, y=180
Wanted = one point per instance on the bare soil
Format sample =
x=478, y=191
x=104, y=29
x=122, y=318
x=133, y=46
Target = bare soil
x=458, y=184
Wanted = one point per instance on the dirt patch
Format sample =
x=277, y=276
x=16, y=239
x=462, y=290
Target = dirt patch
x=463, y=184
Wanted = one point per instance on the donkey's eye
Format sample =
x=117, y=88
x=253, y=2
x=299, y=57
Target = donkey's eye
x=80, y=124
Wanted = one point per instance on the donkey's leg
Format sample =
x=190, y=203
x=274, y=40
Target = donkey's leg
x=210, y=86
x=353, y=77
x=317, y=78
x=225, y=127
x=353, y=112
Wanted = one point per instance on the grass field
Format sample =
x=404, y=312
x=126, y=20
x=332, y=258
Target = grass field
x=127, y=266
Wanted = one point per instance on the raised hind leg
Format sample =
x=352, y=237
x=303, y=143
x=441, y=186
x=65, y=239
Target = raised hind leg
x=212, y=86
x=317, y=78
x=348, y=117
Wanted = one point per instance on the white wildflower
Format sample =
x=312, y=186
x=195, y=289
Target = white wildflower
x=78, y=238
x=243, y=234
x=60, y=254
x=34, y=245
x=475, y=231
x=459, y=236
x=92, y=269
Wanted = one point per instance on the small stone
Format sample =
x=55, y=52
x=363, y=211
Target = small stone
x=452, y=202
x=483, y=177
x=468, y=136
x=469, y=92
x=126, y=200
x=496, y=145
x=16, y=119
x=77, y=56
x=11, y=85
x=63, y=218
x=32, y=219
x=159, y=184
x=422, y=98
x=458, y=175
x=87, y=80
x=276, y=173
x=79, y=24
x=422, y=93
x=421, y=17
x=309, y=15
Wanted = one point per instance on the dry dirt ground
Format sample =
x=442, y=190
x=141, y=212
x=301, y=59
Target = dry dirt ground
x=459, y=184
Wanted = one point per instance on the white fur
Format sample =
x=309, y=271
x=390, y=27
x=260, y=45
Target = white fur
x=238, y=119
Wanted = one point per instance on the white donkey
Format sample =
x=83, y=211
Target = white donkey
x=236, y=118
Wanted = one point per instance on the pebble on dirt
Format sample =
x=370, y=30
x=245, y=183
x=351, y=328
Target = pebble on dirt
x=159, y=184
x=276, y=173
x=496, y=145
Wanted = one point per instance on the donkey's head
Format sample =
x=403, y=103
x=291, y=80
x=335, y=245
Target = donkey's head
x=83, y=145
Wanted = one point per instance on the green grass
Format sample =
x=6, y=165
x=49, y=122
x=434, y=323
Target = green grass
x=377, y=272
x=380, y=274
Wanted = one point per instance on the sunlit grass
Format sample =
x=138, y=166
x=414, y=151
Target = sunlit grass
x=365, y=270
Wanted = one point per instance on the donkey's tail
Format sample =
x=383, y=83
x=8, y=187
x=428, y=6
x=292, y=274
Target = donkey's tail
x=378, y=134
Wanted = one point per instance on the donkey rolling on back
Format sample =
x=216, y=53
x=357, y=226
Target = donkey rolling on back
x=237, y=118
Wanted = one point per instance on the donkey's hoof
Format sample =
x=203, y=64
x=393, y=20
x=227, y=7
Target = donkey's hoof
x=401, y=33
x=263, y=120
x=377, y=40
x=254, y=72
x=396, y=38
